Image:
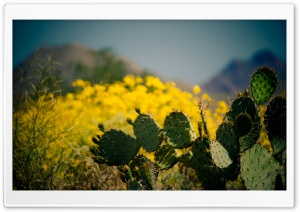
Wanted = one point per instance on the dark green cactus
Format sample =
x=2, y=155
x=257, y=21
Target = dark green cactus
x=134, y=185
x=278, y=145
x=283, y=158
x=179, y=130
x=280, y=183
x=243, y=124
x=147, y=132
x=219, y=155
x=165, y=157
x=275, y=120
x=144, y=171
x=228, y=138
x=207, y=172
x=125, y=173
x=240, y=106
x=259, y=169
x=228, y=168
x=186, y=158
x=234, y=158
x=116, y=148
x=263, y=84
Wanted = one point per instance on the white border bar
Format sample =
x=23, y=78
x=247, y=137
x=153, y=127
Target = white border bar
x=147, y=11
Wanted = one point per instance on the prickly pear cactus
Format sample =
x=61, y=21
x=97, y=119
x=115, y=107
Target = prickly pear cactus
x=240, y=106
x=147, y=132
x=275, y=122
x=125, y=173
x=207, y=172
x=228, y=167
x=115, y=148
x=280, y=183
x=144, y=171
x=278, y=145
x=233, y=156
x=227, y=137
x=263, y=84
x=166, y=157
x=134, y=185
x=283, y=158
x=259, y=169
x=219, y=155
x=179, y=130
x=243, y=124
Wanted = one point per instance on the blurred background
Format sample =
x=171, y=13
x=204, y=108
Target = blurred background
x=217, y=55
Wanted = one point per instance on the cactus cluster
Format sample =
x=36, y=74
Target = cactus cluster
x=234, y=155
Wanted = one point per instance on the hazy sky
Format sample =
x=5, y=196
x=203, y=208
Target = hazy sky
x=175, y=49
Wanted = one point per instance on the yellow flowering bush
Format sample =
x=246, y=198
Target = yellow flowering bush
x=52, y=133
x=57, y=125
x=112, y=104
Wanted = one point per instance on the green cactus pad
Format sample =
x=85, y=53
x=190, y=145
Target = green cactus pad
x=95, y=151
x=283, y=157
x=101, y=127
x=207, y=172
x=99, y=159
x=243, y=124
x=219, y=155
x=278, y=145
x=134, y=185
x=275, y=120
x=117, y=148
x=245, y=105
x=259, y=168
x=147, y=132
x=125, y=173
x=280, y=183
x=144, y=171
x=228, y=138
x=179, y=130
x=263, y=84
x=165, y=157
x=228, y=167
x=186, y=158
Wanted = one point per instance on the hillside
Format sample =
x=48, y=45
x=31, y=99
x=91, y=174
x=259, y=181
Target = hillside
x=236, y=75
x=78, y=62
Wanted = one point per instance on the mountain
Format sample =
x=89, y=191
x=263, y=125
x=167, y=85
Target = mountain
x=236, y=75
x=76, y=62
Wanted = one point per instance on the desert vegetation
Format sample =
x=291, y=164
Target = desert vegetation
x=141, y=133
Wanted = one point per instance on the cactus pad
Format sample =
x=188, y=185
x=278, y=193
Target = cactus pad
x=243, y=124
x=219, y=155
x=144, y=171
x=245, y=105
x=278, y=145
x=259, y=169
x=186, y=158
x=275, y=120
x=179, y=130
x=221, y=158
x=165, y=157
x=134, y=185
x=201, y=162
x=283, y=157
x=147, y=132
x=263, y=84
x=228, y=138
x=125, y=173
x=280, y=183
x=117, y=148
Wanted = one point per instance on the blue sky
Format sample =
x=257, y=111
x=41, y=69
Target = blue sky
x=192, y=50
